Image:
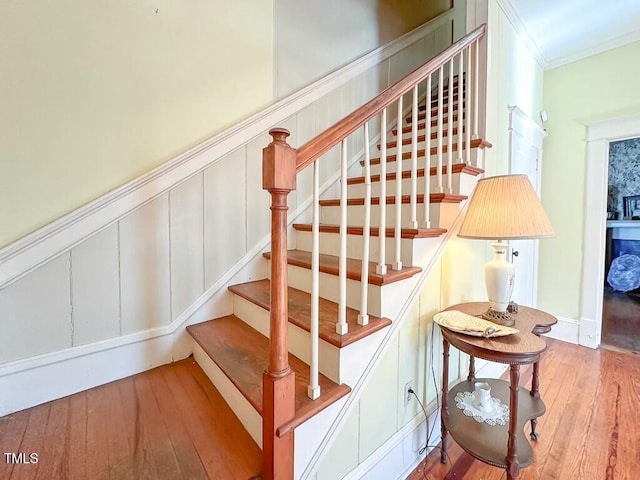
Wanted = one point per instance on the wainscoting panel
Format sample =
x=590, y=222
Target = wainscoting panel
x=145, y=286
x=225, y=215
x=36, y=312
x=187, y=243
x=95, y=287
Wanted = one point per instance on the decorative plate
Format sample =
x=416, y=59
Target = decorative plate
x=469, y=325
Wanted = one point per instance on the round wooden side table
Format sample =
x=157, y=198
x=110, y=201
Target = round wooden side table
x=503, y=446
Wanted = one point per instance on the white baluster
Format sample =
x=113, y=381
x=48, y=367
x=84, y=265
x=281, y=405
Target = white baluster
x=313, y=390
x=450, y=130
x=476, y=77
x=461, y=103
x=397, y=261
x=414, y=158
x=440, y=130
x=427, y=157
x=363, y=317
x=341, y=326
x=381, y=268
x=467, y=113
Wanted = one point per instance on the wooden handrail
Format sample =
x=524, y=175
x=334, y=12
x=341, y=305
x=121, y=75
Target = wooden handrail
x=324, y=142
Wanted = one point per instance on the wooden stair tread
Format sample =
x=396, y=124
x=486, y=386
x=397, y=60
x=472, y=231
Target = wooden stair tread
x=421, y=138
x=375, y=231
x=259, y=293
x=391, y=199
x=329, y=265
x=477, y=143
x=422, y=114
x=457, y=168
x=445, y=98
x=422, y=125
x=242, y=353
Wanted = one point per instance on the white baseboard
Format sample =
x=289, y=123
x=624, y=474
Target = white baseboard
x=567, y=330
x=399, y=456
x=589, y=333
x=26, y=383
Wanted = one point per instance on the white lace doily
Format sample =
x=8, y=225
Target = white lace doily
x=497, y=415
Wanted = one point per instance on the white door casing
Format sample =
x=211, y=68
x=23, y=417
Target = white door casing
x=599, y=136
x=525, y=156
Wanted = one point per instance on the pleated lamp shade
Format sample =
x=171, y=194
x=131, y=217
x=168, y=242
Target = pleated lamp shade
x=503, y=208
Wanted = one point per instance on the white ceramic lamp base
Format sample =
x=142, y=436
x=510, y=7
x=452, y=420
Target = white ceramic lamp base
x=499, y=276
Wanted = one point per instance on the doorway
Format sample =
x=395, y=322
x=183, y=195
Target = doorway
x=621, y=297
x=599, y=136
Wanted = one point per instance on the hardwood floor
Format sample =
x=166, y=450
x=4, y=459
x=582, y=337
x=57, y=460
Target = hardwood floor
x=170, y=423
x=621, y=320
x=167, y=423
x=589, y=432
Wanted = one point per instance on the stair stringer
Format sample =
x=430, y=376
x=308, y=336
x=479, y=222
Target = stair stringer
x=323, y=435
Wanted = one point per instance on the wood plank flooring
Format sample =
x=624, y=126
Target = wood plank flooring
x=591, y=430
x=167, y=423
x=170, y=423
x=621, y=320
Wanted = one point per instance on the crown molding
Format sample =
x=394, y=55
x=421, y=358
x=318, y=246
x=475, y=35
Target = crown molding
x=522, y=31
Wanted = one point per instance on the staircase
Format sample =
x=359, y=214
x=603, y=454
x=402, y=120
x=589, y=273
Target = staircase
x=297, y=342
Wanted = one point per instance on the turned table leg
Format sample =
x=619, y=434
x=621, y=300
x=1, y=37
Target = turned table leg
x=513, y=468
x=472, y=369
x=444, y=412
x=535, y=393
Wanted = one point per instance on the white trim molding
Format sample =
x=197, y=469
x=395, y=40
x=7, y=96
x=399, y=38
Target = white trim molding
x=27, y=254
x=567, y=330
x=599, y=135
x=522, y=31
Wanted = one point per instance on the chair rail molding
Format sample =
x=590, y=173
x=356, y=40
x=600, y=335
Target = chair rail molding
x=30, y=252
x=599, y=136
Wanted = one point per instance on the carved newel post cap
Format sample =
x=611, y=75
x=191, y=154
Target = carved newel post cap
x=279, y=162
x=279, y=134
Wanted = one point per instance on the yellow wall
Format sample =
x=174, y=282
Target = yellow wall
x=96, y=93
x=314, y=38
x=597, y=88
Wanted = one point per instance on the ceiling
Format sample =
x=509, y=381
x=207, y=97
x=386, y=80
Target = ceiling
x=563, y=31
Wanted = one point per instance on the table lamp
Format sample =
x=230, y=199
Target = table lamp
x=503, y=208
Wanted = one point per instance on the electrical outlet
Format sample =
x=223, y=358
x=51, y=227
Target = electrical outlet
x=408, y=387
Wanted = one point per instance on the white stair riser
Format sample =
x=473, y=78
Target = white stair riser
x=248, y=416
x=476, y=156
x=299, y=339
x=382, y=301
x=330, y=245
x=341, y=365
x=463, y=184
x=300, y=278
x=442, y=215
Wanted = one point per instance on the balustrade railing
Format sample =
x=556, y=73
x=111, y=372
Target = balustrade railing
x=461, y=115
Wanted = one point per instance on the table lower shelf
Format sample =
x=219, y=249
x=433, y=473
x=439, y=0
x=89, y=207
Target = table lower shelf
x=489, y=443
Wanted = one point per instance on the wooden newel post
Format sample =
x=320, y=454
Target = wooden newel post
x=278, y=401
